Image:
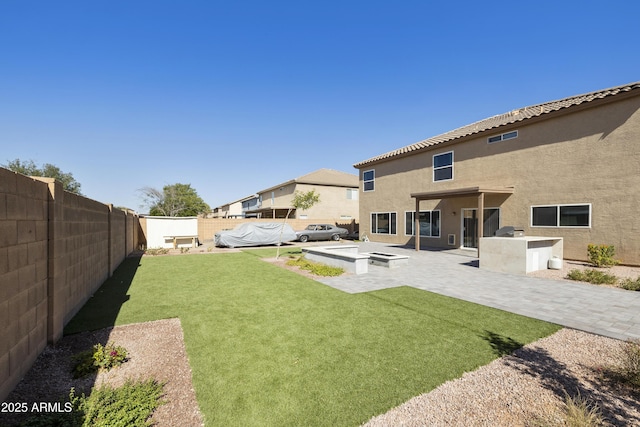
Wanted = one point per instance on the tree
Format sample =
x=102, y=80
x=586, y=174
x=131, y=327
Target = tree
x=174, y=200
x=301, y=201
x=47, y=170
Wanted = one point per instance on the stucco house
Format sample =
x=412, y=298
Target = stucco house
x=338, y=197
x=568, y=168
x=235, y=209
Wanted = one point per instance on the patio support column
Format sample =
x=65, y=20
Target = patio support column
x=416, y=225
x=480, y=219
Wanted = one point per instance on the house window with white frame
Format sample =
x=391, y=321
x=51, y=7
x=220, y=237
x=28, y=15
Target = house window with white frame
x=352, y=194
x=368, y=180
x=443, y=166
x=429, y=223
x=383, y=222
x=503, y=137
x=561, y=215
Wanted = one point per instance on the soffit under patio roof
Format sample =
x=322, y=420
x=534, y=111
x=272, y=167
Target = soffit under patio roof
x=461, y=192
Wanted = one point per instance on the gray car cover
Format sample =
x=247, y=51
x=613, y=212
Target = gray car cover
x=255, y=234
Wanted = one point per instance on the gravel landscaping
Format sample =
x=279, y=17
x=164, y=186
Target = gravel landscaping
x=527, y=388
x=523, y=389
x=620, y=271
x=155, y=350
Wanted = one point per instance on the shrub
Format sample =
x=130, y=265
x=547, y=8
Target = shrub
x=129, y=405
x=592, y=276
x=109, y=356
x=83, y=364
x=73, y=418
x=602, y=255
x=132, y=404
x=579, y=413
x=156, y=251
x=630, y=361
x=630, y=284
x=100, y=357
x=315, y=267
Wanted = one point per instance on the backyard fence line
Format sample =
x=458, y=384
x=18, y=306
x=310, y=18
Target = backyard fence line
x=56, y=249
x=208, y=227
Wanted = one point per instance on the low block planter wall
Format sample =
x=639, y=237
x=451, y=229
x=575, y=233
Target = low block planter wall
x=344, y=256
x=387, y=260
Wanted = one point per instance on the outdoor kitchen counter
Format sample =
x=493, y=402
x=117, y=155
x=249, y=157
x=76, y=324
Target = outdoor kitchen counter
x=519, y=255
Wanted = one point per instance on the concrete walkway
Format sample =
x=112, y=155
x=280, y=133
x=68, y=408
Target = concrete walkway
x=600, y=310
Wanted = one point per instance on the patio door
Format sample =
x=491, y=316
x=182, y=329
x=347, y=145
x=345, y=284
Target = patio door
x=491, y=223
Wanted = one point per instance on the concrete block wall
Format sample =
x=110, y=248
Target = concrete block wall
x=23, y=275
x=56, y=249
x=118, y=247
x=132, y=232
x=81, y=254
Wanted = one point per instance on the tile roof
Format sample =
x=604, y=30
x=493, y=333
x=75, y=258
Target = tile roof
x=322, y=176
x=514, y=116
x=329, y=177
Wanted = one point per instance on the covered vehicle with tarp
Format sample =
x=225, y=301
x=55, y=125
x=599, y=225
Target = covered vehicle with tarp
x=255, y=234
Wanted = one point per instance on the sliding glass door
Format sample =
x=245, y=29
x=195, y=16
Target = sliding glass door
x=491, y=223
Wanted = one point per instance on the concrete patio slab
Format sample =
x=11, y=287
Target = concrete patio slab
x=600, y=310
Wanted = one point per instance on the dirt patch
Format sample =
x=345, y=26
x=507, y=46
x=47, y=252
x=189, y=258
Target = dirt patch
x=155, y=350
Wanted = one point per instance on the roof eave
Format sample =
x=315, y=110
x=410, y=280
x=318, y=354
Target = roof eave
x=605, y=96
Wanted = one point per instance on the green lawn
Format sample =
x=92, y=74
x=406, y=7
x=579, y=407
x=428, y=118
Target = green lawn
x=269, y=347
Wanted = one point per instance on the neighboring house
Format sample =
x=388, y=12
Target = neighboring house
x=235, y=209
x=338, y=197
x=568, y=168
x=249, y=205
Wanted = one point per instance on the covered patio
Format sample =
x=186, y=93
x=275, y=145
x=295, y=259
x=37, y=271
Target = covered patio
x=478, y=192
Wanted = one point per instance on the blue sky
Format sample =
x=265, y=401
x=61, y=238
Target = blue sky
x=235, y=96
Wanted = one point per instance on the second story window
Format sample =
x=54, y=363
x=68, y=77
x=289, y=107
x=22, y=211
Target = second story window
x=368, y=179
x=502, y=137
x=443, y=166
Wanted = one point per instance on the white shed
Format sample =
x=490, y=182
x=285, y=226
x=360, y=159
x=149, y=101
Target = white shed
x=172, y=232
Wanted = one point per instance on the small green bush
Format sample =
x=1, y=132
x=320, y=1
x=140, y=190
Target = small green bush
x=602, y=255
x=73, y=418
x=100, y=357
x=592, y=276
x=132, y=404
x=630, y=284
x=315, y=267
x=129, y=405
x=630, y=361
x=109, y=356
x=83, y=364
